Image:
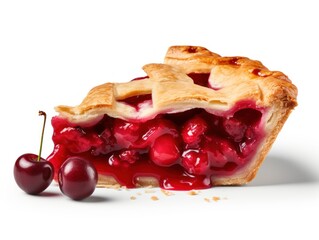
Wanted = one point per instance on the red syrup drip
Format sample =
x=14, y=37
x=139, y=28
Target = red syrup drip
x=216, y=145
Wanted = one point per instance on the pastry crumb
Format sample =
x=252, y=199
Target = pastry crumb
x=139, y=193
x=167, y=193
x=193, y=192
x=133, y=198
x=154, y=198
x=215, y=199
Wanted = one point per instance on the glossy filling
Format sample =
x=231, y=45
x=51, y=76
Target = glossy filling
x=182, y=151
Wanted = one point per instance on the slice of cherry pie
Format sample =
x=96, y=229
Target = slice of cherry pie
x=195, y=121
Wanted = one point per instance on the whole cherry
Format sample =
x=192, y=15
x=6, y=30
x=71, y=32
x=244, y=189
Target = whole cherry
x=165, y=151
x=32, y=173
x=77, y=178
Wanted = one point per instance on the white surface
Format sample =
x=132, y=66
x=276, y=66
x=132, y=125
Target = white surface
x=53, y=52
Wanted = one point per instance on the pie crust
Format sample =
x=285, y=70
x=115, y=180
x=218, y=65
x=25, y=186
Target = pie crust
x=231, y=80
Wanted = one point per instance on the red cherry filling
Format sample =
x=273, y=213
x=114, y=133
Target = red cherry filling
x=193, y=130
x=200, y=78
x=77, y=140
x=138, y=101
x=195, y=161
x=183, y=150
x=165, y=150
x=235, y=129
x=126, y=133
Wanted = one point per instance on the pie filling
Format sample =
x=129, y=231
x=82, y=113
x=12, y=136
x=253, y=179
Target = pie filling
x=183, y=151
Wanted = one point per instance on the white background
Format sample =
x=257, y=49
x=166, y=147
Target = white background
x=53, y=52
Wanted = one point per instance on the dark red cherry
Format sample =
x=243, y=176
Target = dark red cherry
x=77, y=178
x=32, y=173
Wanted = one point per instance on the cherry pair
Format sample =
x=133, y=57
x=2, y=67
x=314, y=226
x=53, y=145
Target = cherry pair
x=77, y=177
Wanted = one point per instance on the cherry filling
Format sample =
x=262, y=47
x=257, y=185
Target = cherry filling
x=182, y=151
x=138, y=101
x=200, y=78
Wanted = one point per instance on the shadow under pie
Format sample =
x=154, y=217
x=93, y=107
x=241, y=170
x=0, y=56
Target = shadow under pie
x=279, y=170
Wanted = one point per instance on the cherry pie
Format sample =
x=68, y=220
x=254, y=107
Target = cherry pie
x=196, y=121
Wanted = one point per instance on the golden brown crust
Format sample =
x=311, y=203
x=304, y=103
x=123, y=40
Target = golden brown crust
x=236, y=78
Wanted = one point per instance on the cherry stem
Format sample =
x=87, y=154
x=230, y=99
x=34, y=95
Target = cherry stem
x=41, y=113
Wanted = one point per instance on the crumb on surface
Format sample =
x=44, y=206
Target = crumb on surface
x=193, y=192
x=133, y=198
x=166, y=192
x=215, y=199
x=154, y=198
x=206, y=199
